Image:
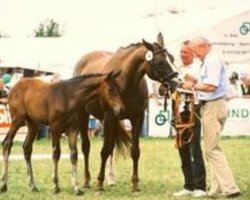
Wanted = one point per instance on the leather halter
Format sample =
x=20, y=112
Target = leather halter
x=156, y=70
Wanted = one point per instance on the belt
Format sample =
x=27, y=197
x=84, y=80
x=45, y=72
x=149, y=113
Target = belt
x=203, y=102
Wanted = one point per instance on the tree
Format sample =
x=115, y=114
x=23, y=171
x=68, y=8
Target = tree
x=49, y=28
x=3, y=35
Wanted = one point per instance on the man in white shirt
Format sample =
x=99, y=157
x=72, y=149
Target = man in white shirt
x=192, y=162
x=212, y=90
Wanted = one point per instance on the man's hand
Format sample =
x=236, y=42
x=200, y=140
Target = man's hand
x=190, y=78
x=187, y=85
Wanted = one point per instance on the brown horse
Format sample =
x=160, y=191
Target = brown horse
x=134, y=61
x=61, y=106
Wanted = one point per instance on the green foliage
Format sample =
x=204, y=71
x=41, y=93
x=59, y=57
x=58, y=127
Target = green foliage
x=3, y=35
x=159, y=171
x=49, y=28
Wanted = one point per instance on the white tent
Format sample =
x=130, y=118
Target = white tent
x=232, y=46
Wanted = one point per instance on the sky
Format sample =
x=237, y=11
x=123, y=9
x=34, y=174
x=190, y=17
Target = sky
x=102, y=18
x=89, y=25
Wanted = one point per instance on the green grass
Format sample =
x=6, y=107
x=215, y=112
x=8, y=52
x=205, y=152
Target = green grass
x=159, y=170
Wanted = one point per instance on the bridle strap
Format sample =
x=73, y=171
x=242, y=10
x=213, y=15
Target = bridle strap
x=160, y=51
x=168, y=60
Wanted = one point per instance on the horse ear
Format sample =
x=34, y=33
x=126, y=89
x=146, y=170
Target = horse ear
x=148, y=45
x=160, y=39
x=113, y=74
x=117, y=73
x=110, y=74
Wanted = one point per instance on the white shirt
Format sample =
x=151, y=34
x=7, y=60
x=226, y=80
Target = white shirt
x=213, y=72
x=193, y=70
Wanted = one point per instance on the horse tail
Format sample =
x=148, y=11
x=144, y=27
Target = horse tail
x=116, y=136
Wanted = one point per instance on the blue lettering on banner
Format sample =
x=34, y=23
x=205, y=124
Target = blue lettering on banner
x=238, y=113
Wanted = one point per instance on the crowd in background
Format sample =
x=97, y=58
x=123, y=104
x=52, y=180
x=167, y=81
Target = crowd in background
x=239, y=85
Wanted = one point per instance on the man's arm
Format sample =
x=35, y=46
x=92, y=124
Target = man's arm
x=198, y=87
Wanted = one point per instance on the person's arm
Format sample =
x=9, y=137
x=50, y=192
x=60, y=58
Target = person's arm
x=190, y=78
x=198, y=87
x=204, y=87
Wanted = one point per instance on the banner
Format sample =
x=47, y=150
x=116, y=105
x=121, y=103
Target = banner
x=238, y=120
x=159, y=120
x=237, y=123
x=5, y=123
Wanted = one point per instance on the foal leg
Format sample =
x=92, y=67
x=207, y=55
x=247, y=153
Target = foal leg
x=85, y=146
x=74, y=157
x=56, y=153
x=27, y=149
x=7, y=144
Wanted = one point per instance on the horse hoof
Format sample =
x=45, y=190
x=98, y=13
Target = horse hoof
x=86, y=185
x=3, y=188
x=111, y=184
x=99, y=189
x=34, y=189
x=56, y=190
x=135, y=190
x=79, y=192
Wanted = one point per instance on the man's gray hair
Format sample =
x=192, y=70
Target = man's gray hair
x=200, y=40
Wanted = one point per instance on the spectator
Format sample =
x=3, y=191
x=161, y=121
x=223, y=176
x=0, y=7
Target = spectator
x=7, y=76
x=3, y=92
x=233, y=87
x=245, y=86
x=192, y=162
x=212, y=88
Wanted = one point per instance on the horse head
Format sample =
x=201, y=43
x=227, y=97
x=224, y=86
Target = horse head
x=160, y=63
x=110, y=91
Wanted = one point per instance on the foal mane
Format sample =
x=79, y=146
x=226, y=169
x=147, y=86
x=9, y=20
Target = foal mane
x=82, y=77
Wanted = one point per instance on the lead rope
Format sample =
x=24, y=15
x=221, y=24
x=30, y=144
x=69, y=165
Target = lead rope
x=179, y=71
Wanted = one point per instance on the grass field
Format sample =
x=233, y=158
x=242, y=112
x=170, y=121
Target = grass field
x=159, y=170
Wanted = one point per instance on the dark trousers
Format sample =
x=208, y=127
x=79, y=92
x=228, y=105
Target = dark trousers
x=192, y=162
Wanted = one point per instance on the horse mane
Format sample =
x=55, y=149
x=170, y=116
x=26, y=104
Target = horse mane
x=82, y=77
x=131, y=45
x=134, y=45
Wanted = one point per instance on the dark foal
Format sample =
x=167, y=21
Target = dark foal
x=61, y=106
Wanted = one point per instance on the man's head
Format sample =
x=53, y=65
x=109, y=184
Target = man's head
x=245, y=80
x=186, y=53
x=200, y=47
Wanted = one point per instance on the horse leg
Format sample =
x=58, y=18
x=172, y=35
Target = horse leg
x=111, y=174
x=85, y=146
x=56, y=153
x=74, y=157
x=7, y=144
x=27, y=149
x=135, y=152
x=107, y=150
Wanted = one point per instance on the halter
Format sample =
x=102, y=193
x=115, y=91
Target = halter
x=157, y=72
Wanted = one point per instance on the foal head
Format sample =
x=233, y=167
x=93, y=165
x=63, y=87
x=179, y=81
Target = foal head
x=110, y=94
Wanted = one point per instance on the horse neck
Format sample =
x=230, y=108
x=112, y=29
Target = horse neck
x=86, y=89
x=132, y=69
